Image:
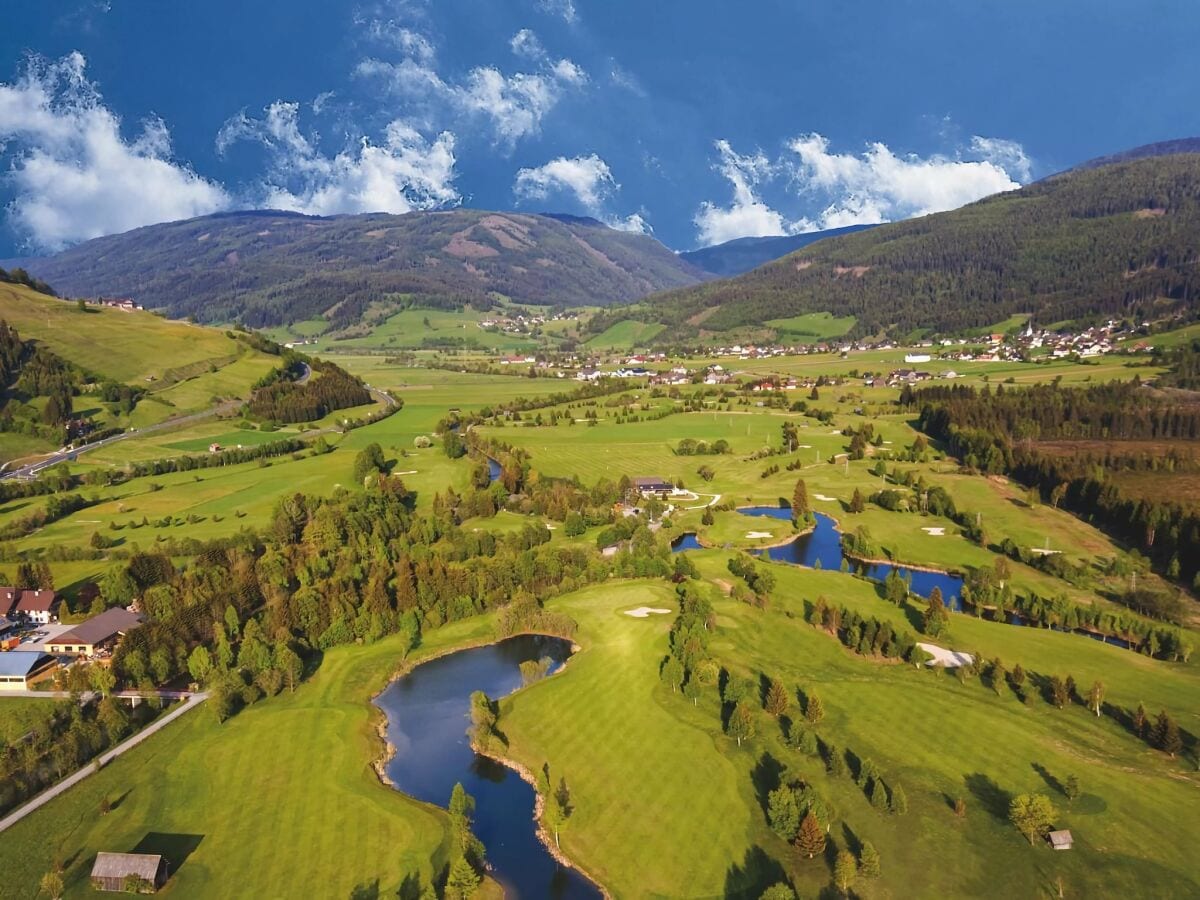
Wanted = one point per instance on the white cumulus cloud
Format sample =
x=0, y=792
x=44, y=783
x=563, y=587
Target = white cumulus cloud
x=74, y=176
x=874, y=186
x=587, y=177
x=747, y=215
x=526, y=45
x=564, y=9
x=512, y=105
x=881, y=186
x=402, y=173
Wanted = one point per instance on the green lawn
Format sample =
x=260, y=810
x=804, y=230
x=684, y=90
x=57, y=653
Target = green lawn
x=812, y=326
x=625, y=335
x=277, y=800
x=668, y=806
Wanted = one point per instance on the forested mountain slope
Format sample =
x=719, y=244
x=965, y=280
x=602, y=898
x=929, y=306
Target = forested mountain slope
x=269, y=268
x=1120, y=240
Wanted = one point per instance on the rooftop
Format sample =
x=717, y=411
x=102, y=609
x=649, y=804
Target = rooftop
x=118, y=865
x=21, y=663
x=36, y=601
x=100, y=628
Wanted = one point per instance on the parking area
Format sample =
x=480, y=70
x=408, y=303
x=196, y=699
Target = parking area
x=37, y=636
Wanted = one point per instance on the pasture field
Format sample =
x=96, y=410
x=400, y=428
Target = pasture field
x=812, y=326
x=129, y=347
x=627, y=334
x=667, y=805
x=221, y=501
x=220, y=798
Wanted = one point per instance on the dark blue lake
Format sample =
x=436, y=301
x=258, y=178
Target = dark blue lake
x=824, y=545
x=427, y=720
x=494, y=469
x=687, y=541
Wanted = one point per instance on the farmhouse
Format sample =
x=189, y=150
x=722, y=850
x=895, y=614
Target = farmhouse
x=653, y=487
x=99, y=634
x=8, y=601
x=36, y=606
x=21, y=669
x=118, y=871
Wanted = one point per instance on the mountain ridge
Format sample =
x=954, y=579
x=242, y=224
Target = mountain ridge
x=265, y=267
x=1119, y=240
x=743, y=254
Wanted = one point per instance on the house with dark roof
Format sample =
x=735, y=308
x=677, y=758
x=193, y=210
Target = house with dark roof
x=38, y=606
x=21, y=669
x=653, y=487
x=98, y=634
x=8, y=600
x=144, y=873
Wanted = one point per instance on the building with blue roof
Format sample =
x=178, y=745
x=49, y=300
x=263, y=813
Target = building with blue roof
x=21, y=669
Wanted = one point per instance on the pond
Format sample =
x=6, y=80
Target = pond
x=687, y=541
x=824, y=545
x=427, y=720
x=495, y=470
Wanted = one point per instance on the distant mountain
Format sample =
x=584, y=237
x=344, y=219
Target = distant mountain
x=267, y=268
x=1162, y=148
x=1119, y=240
x=743, y=254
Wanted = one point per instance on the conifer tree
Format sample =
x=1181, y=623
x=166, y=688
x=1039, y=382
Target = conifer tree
x=845, y=870
x=777, y=698
x=869, y=863
x=811, y=839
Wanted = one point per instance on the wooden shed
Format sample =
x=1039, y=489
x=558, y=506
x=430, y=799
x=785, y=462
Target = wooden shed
x=1061, y=840
x=118, y=871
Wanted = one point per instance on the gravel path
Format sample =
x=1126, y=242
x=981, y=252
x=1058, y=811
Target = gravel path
x=71, y=780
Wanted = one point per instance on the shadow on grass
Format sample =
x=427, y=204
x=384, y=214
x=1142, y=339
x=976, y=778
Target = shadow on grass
x=1051, y=782
x=992, y=798
x=766, y=778
x=757, y=872
x=174, y=848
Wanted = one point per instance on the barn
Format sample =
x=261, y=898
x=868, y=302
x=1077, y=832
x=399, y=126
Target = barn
x=123, y=871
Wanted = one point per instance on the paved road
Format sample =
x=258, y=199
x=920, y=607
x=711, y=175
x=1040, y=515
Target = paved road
x=71, y=780
x=63, y=455
x=90, y=695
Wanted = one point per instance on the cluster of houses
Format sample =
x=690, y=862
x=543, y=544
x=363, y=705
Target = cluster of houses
x=523, y=324
x=93, y=640
x=122, y=303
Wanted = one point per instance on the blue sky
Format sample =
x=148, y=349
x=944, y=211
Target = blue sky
x=699, y=121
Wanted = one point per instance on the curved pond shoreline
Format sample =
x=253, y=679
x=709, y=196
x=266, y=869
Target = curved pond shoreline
x=422, y=719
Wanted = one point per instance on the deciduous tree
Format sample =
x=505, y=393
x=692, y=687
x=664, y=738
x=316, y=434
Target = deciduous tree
x=1032, y=814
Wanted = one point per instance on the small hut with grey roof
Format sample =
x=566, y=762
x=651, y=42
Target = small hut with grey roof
x=122, y=871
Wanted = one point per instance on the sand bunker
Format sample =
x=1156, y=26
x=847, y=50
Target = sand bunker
x=823, y=497
x=1042, y=551
x=643, y=611
x=951, y=659
x=755, y=535
x=934, y=532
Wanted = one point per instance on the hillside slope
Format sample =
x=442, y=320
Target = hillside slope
x=170, y=368
x=743, y=254
x=271, y=268
x=1121, y=240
